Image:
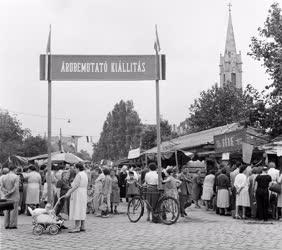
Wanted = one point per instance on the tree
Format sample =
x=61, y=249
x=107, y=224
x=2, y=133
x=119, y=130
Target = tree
x=149, y=136
x=220, y=106
x=268, y=48
x=34, y=145
x=121, y=131
x=11, y=135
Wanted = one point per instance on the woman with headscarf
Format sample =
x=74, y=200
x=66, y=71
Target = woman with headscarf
x=78, y=199
x=33, y=187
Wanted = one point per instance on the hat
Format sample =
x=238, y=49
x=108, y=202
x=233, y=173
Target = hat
x=264, y=168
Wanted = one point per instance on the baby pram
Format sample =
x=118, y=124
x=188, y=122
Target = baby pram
x=45, y=218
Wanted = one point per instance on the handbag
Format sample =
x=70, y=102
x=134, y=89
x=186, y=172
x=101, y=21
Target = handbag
x=275, y=187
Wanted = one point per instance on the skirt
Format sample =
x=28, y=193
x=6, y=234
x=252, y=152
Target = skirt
x=243, y=198
x=207, y=193
x=152, y=196
x=115, y=196
x=222, y=198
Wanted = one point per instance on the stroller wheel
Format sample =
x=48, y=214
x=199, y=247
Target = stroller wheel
x=53, y=229
x=38, y=230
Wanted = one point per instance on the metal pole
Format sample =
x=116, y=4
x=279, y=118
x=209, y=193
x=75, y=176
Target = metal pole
x=49, y=132
x=49, y=182
x=158, y=125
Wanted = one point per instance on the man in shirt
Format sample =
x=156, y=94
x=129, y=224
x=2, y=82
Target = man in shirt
x=10, y=188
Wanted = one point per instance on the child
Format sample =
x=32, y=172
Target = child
x=171, y=184
x=90, y=199
x=115, y=196
x=132, y=186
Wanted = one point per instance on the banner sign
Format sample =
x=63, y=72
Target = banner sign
x=229, y=142
x=134, y=153
x=247, y=150
x=103, y=67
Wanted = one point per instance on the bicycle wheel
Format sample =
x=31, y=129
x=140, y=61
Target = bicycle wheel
x=135, y=209
x=168, y=210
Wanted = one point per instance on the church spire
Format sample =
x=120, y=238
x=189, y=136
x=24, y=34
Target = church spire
x=230, y=63
x=230, y=46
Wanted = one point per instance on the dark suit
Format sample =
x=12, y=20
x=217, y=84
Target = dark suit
x=10, y=187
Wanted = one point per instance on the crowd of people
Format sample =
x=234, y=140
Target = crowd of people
x=76, y=190
x=244, y=191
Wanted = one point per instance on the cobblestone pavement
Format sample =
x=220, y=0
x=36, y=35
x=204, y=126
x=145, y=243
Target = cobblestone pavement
x=201, y=230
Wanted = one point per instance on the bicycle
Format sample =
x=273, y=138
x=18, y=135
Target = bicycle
x=167, y=207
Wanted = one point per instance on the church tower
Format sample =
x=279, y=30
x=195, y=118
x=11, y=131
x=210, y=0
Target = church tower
x=230, y=63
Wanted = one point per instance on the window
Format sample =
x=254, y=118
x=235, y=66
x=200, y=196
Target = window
x=233, y=79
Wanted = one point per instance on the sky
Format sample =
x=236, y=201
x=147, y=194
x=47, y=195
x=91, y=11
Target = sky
x=191, y=33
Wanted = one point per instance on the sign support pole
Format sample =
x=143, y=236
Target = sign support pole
x=49, y=190
x=158, y=125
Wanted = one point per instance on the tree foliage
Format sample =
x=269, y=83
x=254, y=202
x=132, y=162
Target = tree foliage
x=11, y=135
x=268, y=48
x=219, y=106
x=149, y=135
x=121, y=131
x=34, y=145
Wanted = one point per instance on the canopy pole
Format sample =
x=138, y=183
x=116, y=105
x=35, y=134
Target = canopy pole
x=176, y=160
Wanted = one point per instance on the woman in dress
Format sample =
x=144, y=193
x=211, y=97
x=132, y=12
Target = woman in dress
x=242, y=193
x=252, y=179
x=98, y=190
x=122, y=181
x=222, y=189
x=196, y=188
x=33, y=187
x=185, y=190
x=262, y=184
x=115, y=197
x=208, y=189
x=171, y=185
x=78, y=199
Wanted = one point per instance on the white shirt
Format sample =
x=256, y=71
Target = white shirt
x=151, y=178
x=241, y=181
x=274, y=173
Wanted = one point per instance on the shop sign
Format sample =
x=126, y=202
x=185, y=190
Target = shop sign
x=229, y=142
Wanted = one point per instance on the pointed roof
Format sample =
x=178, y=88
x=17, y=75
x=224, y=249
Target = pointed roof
x=230, y=45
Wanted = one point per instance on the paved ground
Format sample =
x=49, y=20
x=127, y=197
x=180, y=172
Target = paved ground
x=201, y=230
